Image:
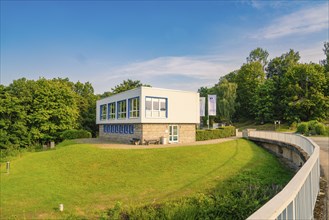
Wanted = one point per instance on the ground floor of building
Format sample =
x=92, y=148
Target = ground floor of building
x=167, y=133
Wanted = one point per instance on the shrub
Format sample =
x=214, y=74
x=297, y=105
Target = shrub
x=75, y=134
x=312, y=128
x=302, y=128
x=320, y=129
x=202, y=135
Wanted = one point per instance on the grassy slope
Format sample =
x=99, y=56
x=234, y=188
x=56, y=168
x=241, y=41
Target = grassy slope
x=86, y=179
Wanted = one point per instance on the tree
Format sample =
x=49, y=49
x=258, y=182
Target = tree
x=278, y=66
x=230, y=77
x=54, y=109
x=248, y=78
x=13, y=129
x=34, y=112
x=264, y=101
x=304, y=98
x=124, y=86
x=86, y=100
x=325, y=62
x=127, y=85
x=258, y=55
x=276, y=70
x=226, y=95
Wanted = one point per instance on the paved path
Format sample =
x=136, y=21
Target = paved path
x=323, y=143
x=103, y=143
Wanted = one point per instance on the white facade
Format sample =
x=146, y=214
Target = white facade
x=149, y=105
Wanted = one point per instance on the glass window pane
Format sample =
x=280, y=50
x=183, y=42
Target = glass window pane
x=148, y=104
x=163, y=105
x=155, y=104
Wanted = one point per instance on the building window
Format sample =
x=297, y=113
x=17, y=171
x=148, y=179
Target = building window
x=103, y=112
x=111, y=108
x=122, y=109
x=134, y=107
x=155, y=107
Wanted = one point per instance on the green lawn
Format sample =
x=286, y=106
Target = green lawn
x=88, y=180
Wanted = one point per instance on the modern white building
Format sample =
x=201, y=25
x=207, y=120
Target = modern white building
x=148, y=113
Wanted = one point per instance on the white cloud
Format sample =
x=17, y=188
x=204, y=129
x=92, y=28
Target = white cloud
x=186, y=72
x=301, y=22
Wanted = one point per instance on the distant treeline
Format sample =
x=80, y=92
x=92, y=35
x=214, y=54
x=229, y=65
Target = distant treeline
x=280, y=89
x=34, y=112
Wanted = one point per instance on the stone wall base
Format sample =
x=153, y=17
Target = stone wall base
x=186, y=133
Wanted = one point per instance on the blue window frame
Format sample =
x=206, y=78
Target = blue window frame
x=111, y=110
x=133, y=106
x=156, y=107
x=102, y=114
x=122, y=109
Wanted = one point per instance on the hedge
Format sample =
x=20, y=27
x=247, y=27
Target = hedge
x=202, y=135
x=75, y=134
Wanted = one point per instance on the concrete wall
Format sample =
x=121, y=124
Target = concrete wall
x=293, y=153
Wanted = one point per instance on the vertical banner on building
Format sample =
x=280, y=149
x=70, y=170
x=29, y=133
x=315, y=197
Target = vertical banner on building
x=202, y=106
x=212, y=105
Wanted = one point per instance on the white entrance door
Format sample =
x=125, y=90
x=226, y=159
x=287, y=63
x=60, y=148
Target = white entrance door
x=173, y=133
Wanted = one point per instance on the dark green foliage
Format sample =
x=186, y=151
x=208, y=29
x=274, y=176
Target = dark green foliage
x=87, y=105
x=291, y=91
x=34, y=112
x=202, y=135
x=75, y=134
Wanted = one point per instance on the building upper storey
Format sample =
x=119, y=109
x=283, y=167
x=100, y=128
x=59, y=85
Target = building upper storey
x=149, y=105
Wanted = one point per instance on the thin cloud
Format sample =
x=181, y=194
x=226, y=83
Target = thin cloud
x=187, y=73
x=304, y=21
x=261, y=4
x=199, y=67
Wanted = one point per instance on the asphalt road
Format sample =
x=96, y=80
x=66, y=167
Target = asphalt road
x=323, y=143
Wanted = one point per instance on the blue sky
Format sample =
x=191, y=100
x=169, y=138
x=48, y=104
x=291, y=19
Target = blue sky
x=169, y=44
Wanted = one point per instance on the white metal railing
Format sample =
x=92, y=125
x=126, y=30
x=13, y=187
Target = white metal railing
x=297, y=199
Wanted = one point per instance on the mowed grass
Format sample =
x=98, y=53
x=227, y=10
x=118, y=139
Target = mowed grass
x=89, y=180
